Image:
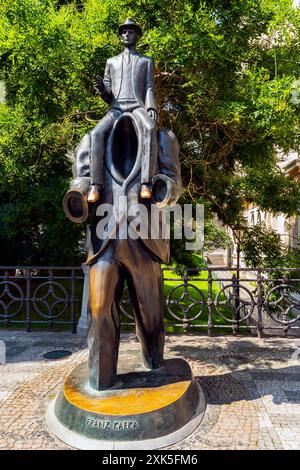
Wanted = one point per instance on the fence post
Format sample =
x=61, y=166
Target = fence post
x=51, y=290
x=185, y=322
x=259, y=305
x=285, y=328
x=210, y=304
x=28, y=298
x=235, y=305
x=6, y=312
x=82, y=326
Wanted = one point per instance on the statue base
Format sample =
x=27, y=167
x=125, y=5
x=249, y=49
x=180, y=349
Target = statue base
x=146, y=409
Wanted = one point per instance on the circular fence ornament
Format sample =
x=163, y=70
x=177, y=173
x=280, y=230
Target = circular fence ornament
x=283, y=304
x=10, y=295
x=123, y=305
x=190, y=307
x=239, y=307
x=43, y=295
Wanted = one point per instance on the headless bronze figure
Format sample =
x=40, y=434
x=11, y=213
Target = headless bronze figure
x=131, y=141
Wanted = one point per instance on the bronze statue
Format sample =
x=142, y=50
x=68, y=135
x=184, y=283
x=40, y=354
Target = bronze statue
x=128, y=86
x=143, y=409
x=124, y=151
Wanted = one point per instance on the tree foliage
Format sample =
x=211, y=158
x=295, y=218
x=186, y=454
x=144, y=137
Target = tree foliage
x=262, y=247
x=227, y=77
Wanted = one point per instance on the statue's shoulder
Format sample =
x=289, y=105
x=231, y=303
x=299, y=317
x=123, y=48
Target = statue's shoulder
x=146, y=61
x=114, y=58
x=146, y=57
x=118, y=57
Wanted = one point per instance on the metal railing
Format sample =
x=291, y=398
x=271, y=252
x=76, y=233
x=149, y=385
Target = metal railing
x=44, y=296
x=194, y=299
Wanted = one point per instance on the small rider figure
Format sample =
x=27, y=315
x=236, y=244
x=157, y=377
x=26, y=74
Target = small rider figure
x=128, y=86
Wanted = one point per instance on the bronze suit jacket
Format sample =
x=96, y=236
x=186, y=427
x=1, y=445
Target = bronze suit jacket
x=142, y=80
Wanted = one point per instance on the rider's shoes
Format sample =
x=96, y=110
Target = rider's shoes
x=94, y=194
x=145, y=192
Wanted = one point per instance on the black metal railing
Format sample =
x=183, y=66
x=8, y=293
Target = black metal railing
x=194, y=299
x=40, y=296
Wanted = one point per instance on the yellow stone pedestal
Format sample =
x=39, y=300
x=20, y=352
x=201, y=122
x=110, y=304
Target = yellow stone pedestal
x=144, y=410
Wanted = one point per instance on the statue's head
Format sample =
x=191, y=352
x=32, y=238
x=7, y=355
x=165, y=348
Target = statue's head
x=130, y=32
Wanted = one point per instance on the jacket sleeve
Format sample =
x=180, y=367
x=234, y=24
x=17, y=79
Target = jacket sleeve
x=169, y=174
x=150, y=100
x=107, y=93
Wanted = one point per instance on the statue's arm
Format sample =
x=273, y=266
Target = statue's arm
x=167, y=185
x=103, y=86
x=150, y=100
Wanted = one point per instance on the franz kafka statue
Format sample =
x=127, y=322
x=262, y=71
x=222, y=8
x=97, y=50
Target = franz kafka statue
x=125, y=158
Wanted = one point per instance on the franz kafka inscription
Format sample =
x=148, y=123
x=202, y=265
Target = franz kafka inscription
x=116, y=424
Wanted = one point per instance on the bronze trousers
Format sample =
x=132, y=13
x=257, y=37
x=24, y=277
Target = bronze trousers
x=123, y=260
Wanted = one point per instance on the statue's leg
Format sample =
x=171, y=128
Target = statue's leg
x=98, y=142
x=105, y=291
x=150, y=145
x=144, y=280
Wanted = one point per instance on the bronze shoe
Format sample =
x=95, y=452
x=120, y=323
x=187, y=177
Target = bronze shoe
x=94, y=194
x=145, y=192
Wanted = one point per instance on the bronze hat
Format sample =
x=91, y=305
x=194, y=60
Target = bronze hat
x=131, y=24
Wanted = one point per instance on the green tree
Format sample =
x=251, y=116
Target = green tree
x=262, y=247
x=227, y=76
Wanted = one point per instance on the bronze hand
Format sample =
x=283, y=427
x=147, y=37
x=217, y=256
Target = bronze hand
x=98, y=84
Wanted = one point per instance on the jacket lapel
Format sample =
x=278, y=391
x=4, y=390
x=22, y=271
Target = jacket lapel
x=133, y=75
x=119, y=66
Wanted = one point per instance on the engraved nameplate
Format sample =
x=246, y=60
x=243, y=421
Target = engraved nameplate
x=116, y=424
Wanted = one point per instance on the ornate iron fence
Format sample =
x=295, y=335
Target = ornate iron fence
x=40, y=296
x=206, y=298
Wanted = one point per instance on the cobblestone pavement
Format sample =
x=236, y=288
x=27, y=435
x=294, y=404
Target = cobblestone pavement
x=252, y=388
